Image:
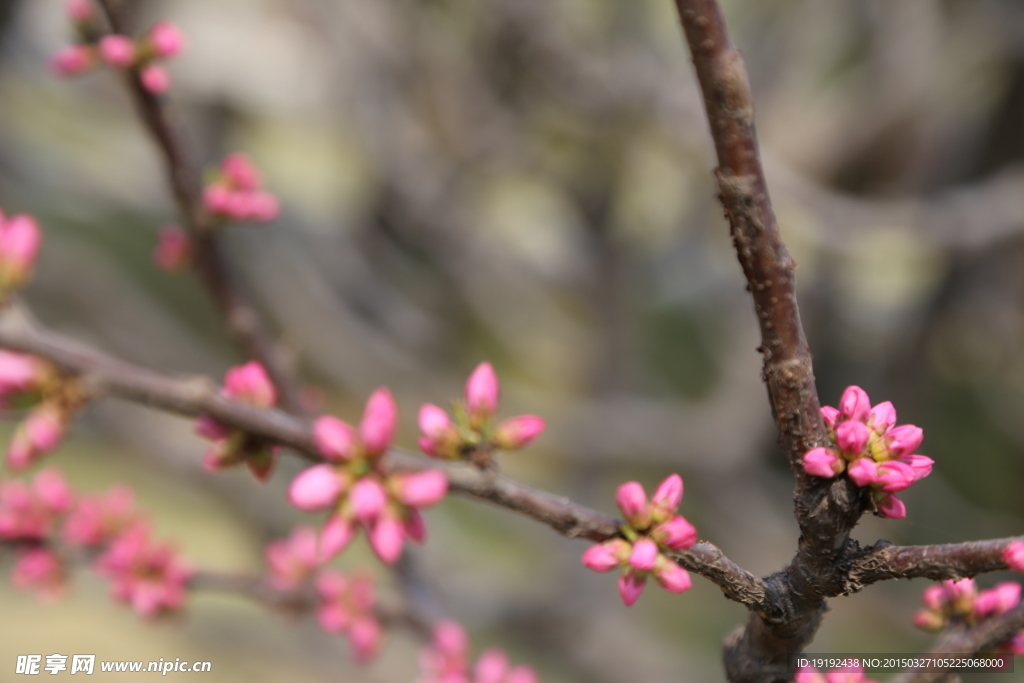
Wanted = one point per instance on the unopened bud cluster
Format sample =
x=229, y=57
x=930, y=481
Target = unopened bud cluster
x=871, y=449
x=355, y=487
x=235, y=192
x=651, y=533
x=45, y=520
x=473, y=431
x=960, y=603
x=95, y=47
x=447, y=660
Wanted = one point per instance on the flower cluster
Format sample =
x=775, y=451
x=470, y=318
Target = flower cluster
x=652, y=531
x=29, y=381
x=247, y=384
x=871, y=449
x=473, y=430
x=358, y=491
x=960, y=602
x=173, y=249
x=144, y=56
x=446, y=660
x=236, y=192
x=847, y=675
x=19, y=245
x=150, y=577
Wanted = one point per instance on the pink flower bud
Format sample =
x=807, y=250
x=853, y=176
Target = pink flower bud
x=450, y=638
x=675, y=534
x=668, y=494
x=209, y=428
x=316, y=488
x=39, y=434
x=863, y=471
x=1002, y=598
x=39, y=570
x=892, y=507
x=365, y=636
x=854, y=404
x=19, y=244
x=895, y=476
x=380, y=419
x=250, y=384
x=1014, y=556
x=632, y=500
x=607, y=556
x=630, y=587
x=671, y=576
x=52, y=490
x=420, y=489
x=367, y=499
x=852, y=437
x=117, y=50
x=18, y=373
x=337, y=533
x=173, y=249
x=882, y=417
x=482, y=389
x=292, y=560
x=155, y=79
x=217, y=198
x=926, y=620
x=334, y=438
x=241, y=172
x=517, y=432
x=263, y=207
x=961, y=593
x=491, y=667
x=522, y=674
x=415, y=527
x=935, y=597
x=166, y=39
x=73, y=60
x=830, y=415
x=644, y=555
x=387, y=538
x=79, y=10
x=433, y=421
x=904, y=440
x=822, y=462
x=920, y=464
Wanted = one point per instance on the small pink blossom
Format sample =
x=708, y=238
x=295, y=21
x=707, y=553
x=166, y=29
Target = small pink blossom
x=667, y=496
x=894, y=476
x=631, y=586
x=904, y=440
x=671, y=576
x=920, y=464
x=335, y=439
x=241, y=172
x=446, y=660
x=292, y=560
x=316, y=488
x=632, y=500
x=346, y=605
x=237, y=193
x=604, y=557
x=440, y=437
x=675, y=533
x=1002, y=598
x=852, y=437
x=830, y=415
x=41, y=571
x=420, y=489
x=174, y=248
x=482, y=390
x=79, y=10
x=380, y=420
x=249, y=385
x=367, y=499
x=854, y=404
x=166, y=40
x=155, y=79
x=31, y=512
x=73, y=60
x=882, y=417
x=19, y=373
x=822, y=462
x=387, y=536
x=1013, y=555
x=20, y=239
x=149, y=577
x=117, y=50
x=337, y=533
x=644, y=555
x=892, y=507
x=863, y=472
x=96, y=519
x=40, y=433
x=518, y=432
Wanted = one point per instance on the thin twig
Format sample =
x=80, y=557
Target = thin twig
x=243, y=321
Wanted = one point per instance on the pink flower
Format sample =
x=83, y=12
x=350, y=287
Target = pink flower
x=250, y=384
x=380, y=420
x=316, y=488
x=335, y=439
x=1013, y=555
x=632, y=500
x=882, y=417
x=337, y=533
x=40, y=433
x=97, y=519
x=904, y=440
x=30, y=512
x=346, y=605
x=150, y=577
x=482, y=390
x=631, y=585
x=174, y=248
x=387, y=536
x=920, y=464
x=604, y=557
x=929, y=621
x=823, y=462
x=39, y=570
x=241, y=172
x=671, y=576
x=440, y=437
x=19, y=373
x=675, y=533
x=644, y=555
x=854, y=404
x=895, y=476
x=292, y=560
x=79, y=10
x=166, y=40
x=367, y=499
x=667, y=497
x=1002, y=598
x=892, y=507
x=19, y=245
x=236, y=193
x=73, y=60
x=117, y=50
x=830, y=415
x=155, y=79
x=420, y=489
x=852, y=437
x=517, y=432
x=446, y=660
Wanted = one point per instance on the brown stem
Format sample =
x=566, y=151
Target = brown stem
x=825, y=510
x=243, y=321
x=936, y=562
x=194, y=396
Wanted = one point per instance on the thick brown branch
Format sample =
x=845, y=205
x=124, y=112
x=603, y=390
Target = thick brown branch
x=192, y=397
x=243, y=321
x=936, y=562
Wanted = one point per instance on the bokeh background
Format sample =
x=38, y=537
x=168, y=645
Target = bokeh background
x=528, y=181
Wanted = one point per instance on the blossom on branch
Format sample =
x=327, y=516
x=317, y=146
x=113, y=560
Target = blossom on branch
x=446, y=660
x=41, y=571
x=236, y=192
x=960, y=602
x=31, y=512
x=292, y=560
x=346, y=605
x=1014, y=556
x=356, y=488
x=20, y=239
x=651, y=533
x=473, y=430
x=96, y=519
x=149, y=577
x=871, y=449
